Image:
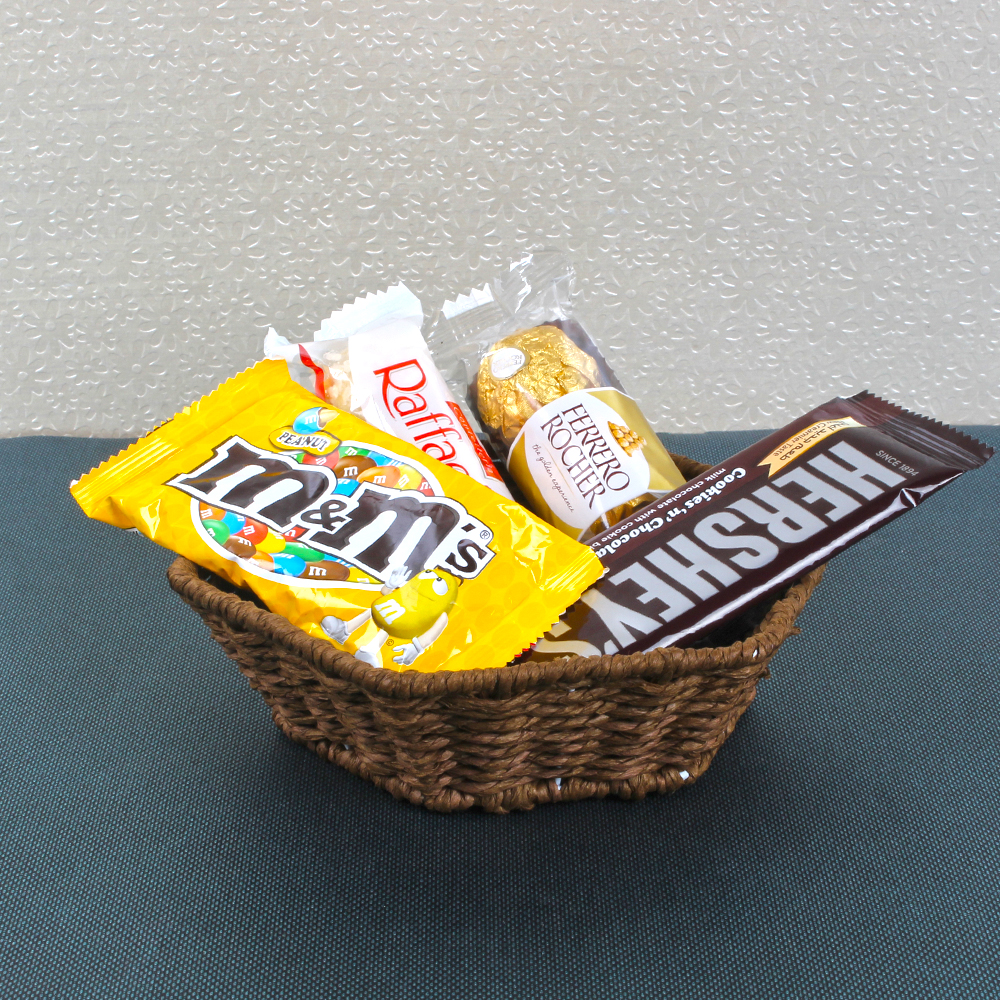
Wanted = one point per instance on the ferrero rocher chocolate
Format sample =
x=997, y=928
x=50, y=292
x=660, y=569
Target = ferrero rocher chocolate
x=579, y=448
x=521, y=373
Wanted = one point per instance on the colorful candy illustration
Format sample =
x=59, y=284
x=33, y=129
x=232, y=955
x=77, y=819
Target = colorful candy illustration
x=415, y=611
x=310, y=421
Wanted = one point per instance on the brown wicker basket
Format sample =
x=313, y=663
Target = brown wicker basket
x=507, y=738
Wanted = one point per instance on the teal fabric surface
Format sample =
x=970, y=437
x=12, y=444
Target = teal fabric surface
x=160, y=838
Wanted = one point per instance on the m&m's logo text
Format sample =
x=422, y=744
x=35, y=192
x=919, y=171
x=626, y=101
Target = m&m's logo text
x=377, y=527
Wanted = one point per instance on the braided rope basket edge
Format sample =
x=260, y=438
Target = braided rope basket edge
x=507, y=738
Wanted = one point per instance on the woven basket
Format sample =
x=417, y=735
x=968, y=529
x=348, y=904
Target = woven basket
x=507, y=738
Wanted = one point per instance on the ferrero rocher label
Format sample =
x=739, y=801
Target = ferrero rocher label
x=585, y=458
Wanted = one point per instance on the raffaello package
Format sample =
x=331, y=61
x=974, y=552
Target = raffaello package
x=354, y=535
x=370, y=359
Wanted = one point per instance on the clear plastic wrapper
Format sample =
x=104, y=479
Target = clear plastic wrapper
x=574, y=442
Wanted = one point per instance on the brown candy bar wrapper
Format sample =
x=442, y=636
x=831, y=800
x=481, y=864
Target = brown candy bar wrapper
x=748, y=528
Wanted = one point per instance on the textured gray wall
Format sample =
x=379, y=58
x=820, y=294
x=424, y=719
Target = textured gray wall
x=769, y=202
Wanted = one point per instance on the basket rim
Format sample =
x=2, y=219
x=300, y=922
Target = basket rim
x=663, y=663
x=330, y=663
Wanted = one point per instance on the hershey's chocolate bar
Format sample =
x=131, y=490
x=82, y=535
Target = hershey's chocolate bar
x=757, y=522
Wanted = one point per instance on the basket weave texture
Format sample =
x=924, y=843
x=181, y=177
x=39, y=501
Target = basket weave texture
x=500, y=739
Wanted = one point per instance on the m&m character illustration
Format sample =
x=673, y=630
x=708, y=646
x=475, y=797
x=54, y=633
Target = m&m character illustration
x=415, y=611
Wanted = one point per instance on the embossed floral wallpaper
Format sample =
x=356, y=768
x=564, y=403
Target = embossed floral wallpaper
x=768, y=203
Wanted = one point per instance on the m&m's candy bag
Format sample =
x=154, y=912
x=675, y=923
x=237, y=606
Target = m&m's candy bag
x=356, y=536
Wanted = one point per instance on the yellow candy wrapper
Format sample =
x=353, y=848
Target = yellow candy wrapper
x=350, y=533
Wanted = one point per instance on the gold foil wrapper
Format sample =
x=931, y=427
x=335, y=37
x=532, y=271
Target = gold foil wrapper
x=554, y=366
x=609, y=439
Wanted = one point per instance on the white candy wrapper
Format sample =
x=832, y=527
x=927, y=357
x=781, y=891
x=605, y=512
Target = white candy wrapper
x=370, y=359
